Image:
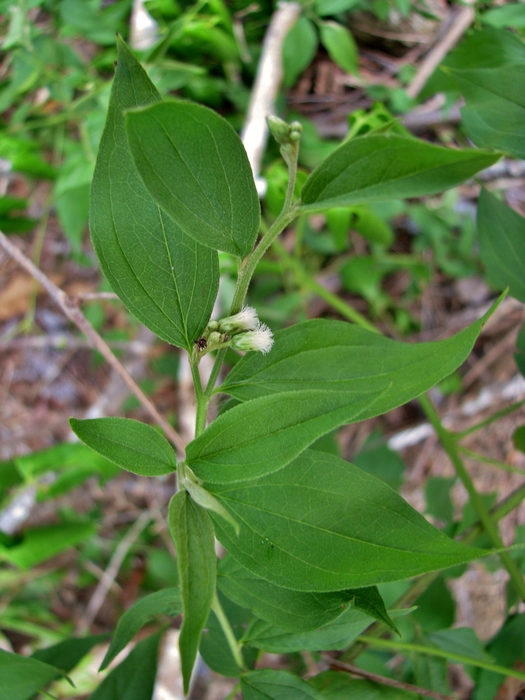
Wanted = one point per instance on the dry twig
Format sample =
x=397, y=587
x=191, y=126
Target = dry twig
x=110, y=574
x=456, y=24
x=74, y=314
x=383, y=680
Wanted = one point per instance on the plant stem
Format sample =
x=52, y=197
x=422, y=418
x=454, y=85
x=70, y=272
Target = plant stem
x=305, y=280
x=249, y=264
x=228, y=632
x=487, y=421
x=449, y=442
x=233, y=692
x=396, y=646
x=202, y=401
x=488, y=460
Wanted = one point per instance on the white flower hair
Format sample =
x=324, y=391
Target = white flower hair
x=259, y=340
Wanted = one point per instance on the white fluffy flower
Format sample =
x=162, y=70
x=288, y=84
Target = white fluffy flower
x=245, y=320
x=259, y=340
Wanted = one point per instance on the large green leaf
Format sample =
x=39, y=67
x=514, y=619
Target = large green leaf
x=502, y=244
x=163, y=276
x=321, y=524
x=384, y=166
x=130, y=444
x=195, y=167
x=134, y=678
x=337, y=634
x=22, y=677
x=261, y=436
x=494, y=115
x=276, y=685
x=294, y=611
x=192, y=531
x=164, y=602
x=341, y=358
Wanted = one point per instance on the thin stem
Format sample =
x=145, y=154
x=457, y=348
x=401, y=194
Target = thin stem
x=202, y=401
x=250, y=263
x=384, y=680
x=305, y=280
x=449, y=442
x=395, y=646
x=233, y=692
x=488, y=460
x=487, y=421
x=228, y=632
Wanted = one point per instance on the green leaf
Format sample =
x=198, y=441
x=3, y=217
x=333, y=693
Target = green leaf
x=134, y=678
x=276, y=685
x=45, y=542
x=164, y=277
x=341, y=358
x=518, y=438
x=382, y=166
x=23, y=676
x=511, y=15
x=130, y=444
x=519, y=356
x=67, y=654
x=502, y=244
x=321, y=524
x=294, y=611
x=494, y=115
x=337, y=634
x=333, y=7
x=195, y=167
x=299, y=49
x=164, y=602
x=340, y=45
x=192, y=531
x=261, y=436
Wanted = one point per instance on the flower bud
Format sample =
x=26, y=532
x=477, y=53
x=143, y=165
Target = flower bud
x=245, y=320
x=259, y=340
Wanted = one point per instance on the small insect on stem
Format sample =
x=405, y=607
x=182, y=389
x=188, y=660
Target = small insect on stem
x=201, y=344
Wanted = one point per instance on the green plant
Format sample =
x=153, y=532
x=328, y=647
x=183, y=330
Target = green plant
x=310, y=537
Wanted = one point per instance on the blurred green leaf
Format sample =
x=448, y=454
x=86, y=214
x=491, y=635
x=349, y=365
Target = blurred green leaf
x=45, y=542
x=502, y=244
x=299, y=49
x=133, y=678
x=340, y=44
x=164, y=602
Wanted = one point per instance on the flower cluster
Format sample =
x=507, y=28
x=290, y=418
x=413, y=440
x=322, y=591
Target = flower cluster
x=242, y=331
